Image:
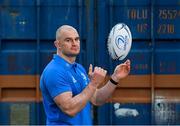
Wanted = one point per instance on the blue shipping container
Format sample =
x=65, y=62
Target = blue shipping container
x=149, y=95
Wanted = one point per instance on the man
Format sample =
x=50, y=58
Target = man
x=67, y=91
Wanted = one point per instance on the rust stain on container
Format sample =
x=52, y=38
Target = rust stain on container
x=14, y=13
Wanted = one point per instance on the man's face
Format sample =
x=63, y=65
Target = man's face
x=69, y=43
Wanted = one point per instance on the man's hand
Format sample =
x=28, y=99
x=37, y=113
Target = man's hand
x=121, y=71
x=97, y=76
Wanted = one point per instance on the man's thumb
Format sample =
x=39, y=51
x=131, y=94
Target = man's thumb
x=90, y=70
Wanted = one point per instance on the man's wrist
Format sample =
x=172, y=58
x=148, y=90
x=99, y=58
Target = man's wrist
x=115, y=78
x=113, y=81
x=92, y=87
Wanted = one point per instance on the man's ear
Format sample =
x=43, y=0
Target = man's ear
x=56, y=44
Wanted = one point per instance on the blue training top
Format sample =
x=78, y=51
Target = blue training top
x=60, y=76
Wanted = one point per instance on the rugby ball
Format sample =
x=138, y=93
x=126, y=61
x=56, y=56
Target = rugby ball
x=119, y=41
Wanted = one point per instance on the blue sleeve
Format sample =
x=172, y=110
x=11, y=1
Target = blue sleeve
x=57, y=83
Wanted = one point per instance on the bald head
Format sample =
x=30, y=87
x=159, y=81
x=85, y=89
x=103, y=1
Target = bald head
x=67, y=43
x=63, y=28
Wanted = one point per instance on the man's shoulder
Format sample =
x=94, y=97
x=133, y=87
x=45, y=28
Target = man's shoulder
x=52, y=68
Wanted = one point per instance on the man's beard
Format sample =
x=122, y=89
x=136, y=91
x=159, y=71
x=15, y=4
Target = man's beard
x=70, y=54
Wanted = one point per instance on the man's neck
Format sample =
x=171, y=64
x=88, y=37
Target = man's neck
x=68, y=59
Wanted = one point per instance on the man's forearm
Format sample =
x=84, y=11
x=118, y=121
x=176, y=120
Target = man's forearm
x=80, y=100
x=73, y=105
x=102, y=94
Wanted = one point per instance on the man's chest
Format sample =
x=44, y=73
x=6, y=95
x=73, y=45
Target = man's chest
x=78, y=80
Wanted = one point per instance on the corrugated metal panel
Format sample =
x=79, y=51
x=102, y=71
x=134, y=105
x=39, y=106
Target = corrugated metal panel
x=167, y=18
x=4, y=114
x=21, y=113
x=155, y=67
x=135, y=14
x=16, y=19
x=56, y=13
x=166, y=57
x=27, y=34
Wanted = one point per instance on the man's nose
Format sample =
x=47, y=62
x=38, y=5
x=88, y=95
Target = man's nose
x=74, y=42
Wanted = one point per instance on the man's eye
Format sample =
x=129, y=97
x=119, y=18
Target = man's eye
x=68, y=40
x=77, y=39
